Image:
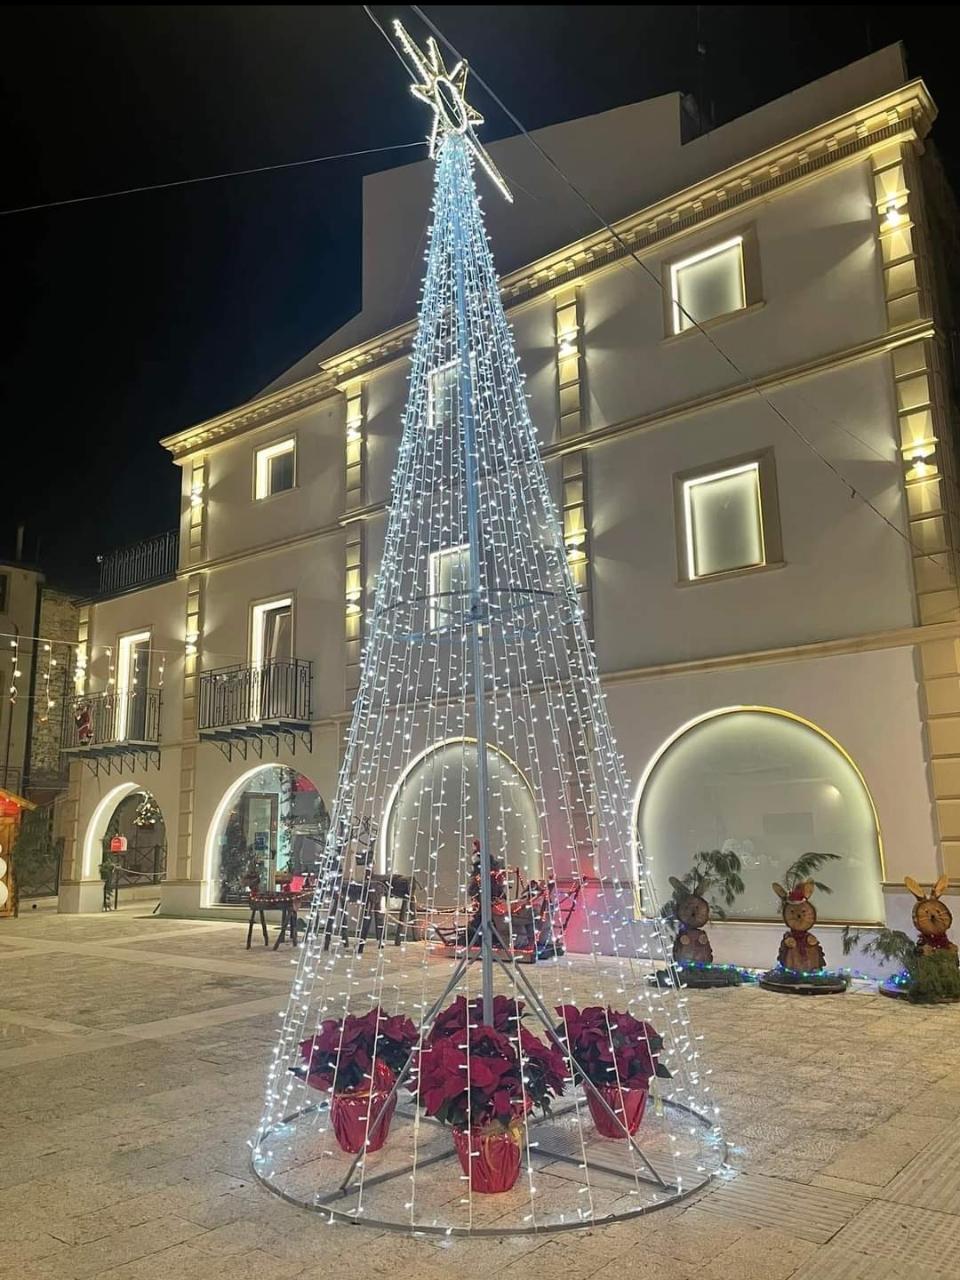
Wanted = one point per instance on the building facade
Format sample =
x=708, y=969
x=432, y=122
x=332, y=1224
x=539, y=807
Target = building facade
x=38, y=633
x=743, y=393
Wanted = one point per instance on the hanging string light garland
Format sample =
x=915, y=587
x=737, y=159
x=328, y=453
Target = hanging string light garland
x=15, y=672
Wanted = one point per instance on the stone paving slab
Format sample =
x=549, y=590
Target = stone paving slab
x=906, y=1235
x=834, y=1262
x=812, y=1213
x=931, y=1180
x=132, y=1073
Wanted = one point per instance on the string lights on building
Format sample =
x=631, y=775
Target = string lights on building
x=15, y=672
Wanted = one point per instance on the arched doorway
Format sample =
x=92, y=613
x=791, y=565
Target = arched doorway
x=431, y=820
x=132, y=813
x=272, y=821
x=769, y=785
x=137, y=819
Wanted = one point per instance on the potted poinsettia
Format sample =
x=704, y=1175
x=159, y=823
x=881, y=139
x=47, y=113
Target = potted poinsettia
x=617, y=1054
x=356, y=1059
x=483, y=1083
x=505, y=1016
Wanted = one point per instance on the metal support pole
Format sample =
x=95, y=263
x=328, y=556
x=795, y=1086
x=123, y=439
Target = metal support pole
x=425, y=1027
x=478, y=608
x=521, y=979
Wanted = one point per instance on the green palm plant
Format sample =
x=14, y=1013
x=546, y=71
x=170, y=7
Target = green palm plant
x=715, y=874
x=804, y=867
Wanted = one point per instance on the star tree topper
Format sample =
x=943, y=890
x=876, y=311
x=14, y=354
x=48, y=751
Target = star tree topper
x=443, y=91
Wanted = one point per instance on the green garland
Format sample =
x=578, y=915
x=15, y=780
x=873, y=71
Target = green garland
x=926, y=979
x=935, y=978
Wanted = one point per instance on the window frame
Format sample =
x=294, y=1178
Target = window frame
x=764, y=463
x=262, y=455
x=434, y=571
x=432, y=374
x=124, y=681
x=702, y=249
x=726, y=714
x=258, y=610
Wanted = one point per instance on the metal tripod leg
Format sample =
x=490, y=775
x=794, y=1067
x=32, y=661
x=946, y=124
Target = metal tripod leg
x=404, y=1071
x=518, y=977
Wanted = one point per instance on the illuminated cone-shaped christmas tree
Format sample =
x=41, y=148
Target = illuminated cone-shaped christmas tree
x=483, y=938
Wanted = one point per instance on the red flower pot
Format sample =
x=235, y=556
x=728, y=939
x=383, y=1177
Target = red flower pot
x=627, y=1104
x=489, y=1157
x=352, y=1110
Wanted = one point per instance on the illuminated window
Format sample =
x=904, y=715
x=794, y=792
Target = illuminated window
x=275, y=468
x=133, y=674
x=271, y=824
x=728, y=518
x=449, y=585
x=708, y=284
x=271, y=652
x=442, y=395
x=271, y=638
x=769, y=787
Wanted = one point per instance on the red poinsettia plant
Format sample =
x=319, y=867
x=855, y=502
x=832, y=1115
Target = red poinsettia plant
x=343, y=1053
x=474, y=1076
x=506, y=1017
x=609, y=1047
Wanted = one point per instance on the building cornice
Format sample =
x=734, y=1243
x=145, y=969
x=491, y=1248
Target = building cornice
x=870, y=642
x=661, y=417
x=881, y=345
x=907, y=112
x=814, y=650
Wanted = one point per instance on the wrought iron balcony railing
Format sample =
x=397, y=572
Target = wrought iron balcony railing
x=141, y=563
x=113, y=720
x=245, y=695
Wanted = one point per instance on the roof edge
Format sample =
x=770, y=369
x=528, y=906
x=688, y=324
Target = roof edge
x=909, y=108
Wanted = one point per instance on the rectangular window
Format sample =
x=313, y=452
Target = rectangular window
x=708, y=284
x=272, y=637
x=133, y=676
x=442, y=395
x=271, y=652
x=275, y=468
x=449, y=585
x=728, y=518
x=3, y=592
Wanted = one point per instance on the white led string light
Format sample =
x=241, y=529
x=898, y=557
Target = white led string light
x=410, y=762
x=48, y=702
x=15, y=672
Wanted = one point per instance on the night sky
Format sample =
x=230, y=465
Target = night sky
x=130, y=318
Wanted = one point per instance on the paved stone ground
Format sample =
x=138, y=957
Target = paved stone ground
x=132, y=1056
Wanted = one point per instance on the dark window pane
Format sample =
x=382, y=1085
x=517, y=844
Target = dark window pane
x=281, y=472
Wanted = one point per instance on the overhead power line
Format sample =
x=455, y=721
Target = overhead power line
x=746, y=378
x=210, y=177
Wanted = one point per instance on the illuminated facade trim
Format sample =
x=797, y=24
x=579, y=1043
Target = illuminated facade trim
x=718, y=712
x=906, y=113
x=681, y=320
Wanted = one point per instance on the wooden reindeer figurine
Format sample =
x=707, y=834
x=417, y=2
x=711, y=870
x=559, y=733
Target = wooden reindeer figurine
x=799, y=949
x=692, y=946
x=932, y=918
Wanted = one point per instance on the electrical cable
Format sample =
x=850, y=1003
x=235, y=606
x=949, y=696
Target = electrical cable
x=211, y=177
x=744, y=377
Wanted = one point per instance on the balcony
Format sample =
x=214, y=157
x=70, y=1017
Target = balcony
x=243, y=705
x=111, y=729
x=140, y=564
